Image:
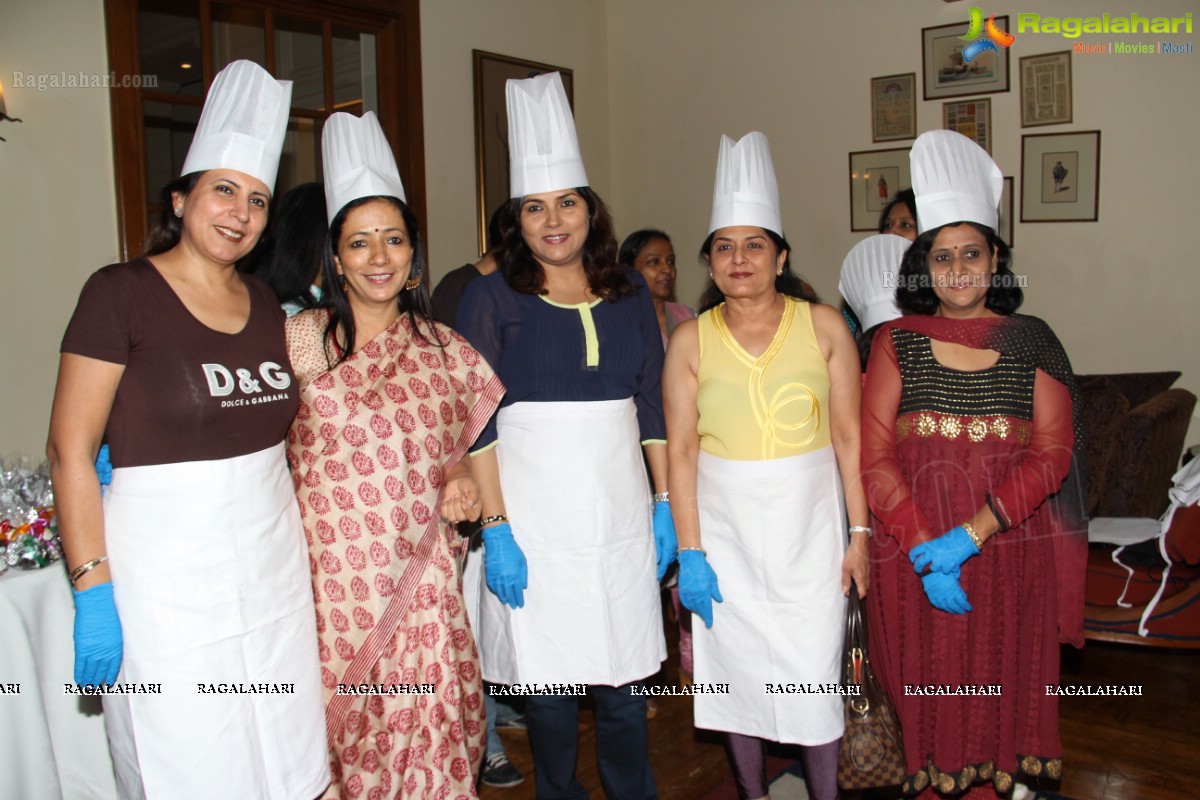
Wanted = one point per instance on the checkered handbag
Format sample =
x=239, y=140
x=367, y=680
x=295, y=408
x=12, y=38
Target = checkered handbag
x=872, y=752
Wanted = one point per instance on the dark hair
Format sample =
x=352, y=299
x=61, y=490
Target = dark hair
x=915, y=294
x=291, y=257
x=169, y=228
x=788, y=283
x=905, y=196
x=634, y=243
x=494, y=239
x=606, y=278
x=340, y=330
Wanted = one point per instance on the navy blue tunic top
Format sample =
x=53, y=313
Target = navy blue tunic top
x=547, y=352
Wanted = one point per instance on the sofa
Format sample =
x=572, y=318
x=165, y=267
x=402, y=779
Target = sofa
x=1136, y=426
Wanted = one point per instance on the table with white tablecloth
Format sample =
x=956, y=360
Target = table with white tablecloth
x=53, y=744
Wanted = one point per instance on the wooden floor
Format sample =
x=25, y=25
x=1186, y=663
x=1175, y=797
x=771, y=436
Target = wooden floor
x=1115, y=748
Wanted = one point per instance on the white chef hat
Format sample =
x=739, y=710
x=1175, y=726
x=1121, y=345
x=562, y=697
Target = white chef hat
x=745, y=192
x=543, y=150
x=242, y=125
x=955, y=180
x=357, y=161
x=865, y=283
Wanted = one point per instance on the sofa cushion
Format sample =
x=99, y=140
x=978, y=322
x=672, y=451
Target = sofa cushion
x=1138, y=387
x=1103, y=407
x=1183, y=537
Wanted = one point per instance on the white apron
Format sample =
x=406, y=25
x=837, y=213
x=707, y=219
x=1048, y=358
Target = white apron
x=775, y=534
x=211, y=579
x=576, y=493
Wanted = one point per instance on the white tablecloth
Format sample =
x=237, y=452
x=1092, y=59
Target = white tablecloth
x=53, y=745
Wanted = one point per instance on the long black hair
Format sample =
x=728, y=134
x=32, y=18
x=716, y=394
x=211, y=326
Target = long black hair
x=292, y=256
x=340, y=330
x=606, y=278
x=787, y=282
x=915, y=294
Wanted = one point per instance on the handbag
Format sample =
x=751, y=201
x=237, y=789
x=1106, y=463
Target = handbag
x=872, y=752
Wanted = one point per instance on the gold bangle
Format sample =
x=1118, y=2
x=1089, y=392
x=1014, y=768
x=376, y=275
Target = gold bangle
x=970, y=529
x=84, y=569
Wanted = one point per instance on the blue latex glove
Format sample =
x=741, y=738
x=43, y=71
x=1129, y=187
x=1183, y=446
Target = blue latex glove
x=665, y=542
x=504, y=565
x=945, y=553
x=98, y=642
x=943, y=592
x=103, y=468
x=698, y=585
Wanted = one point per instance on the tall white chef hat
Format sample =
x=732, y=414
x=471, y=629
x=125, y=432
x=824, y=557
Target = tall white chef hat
x=543, y=150
x=745, y=192
x=865, y=276
x=242, y=125
x=955, y=180
x=357, y=161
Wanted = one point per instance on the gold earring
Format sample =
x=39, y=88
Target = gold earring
x=409, y=285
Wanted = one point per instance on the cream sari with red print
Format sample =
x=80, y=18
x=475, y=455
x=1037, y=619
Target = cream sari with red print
x=368, y=450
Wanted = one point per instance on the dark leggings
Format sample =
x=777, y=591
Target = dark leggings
x=748, y=756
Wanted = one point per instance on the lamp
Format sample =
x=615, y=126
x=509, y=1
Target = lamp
x=3, y=110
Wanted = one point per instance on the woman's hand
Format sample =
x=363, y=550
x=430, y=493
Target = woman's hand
x=698, y=585
x=856, y=564
x=98, y=641
x=946, y=553
x=460, y=500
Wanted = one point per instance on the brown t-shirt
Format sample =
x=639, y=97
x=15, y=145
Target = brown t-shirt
x=188, y=393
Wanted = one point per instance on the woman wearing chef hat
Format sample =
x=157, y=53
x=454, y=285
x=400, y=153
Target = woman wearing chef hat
x=193, y=576
x=389, y=403
x=573, y=547
x=970, y=436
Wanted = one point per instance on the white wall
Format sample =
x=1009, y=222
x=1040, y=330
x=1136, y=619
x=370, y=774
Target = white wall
x=657, y=82
x=570, y=34
x=58, y=220
x=1121, y=293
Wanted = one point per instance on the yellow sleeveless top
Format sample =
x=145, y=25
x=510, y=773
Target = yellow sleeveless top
x=773, y=406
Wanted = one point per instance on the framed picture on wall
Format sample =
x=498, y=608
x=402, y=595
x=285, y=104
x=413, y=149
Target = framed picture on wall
x=971, y=118
x=875, y=177
x=894, y=107
x=1060, y=177
x=947, y=73
x=1046, y=89
x=492, y=72
x=1006, y=213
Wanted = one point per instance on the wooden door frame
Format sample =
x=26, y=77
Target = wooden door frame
x=398, y=48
